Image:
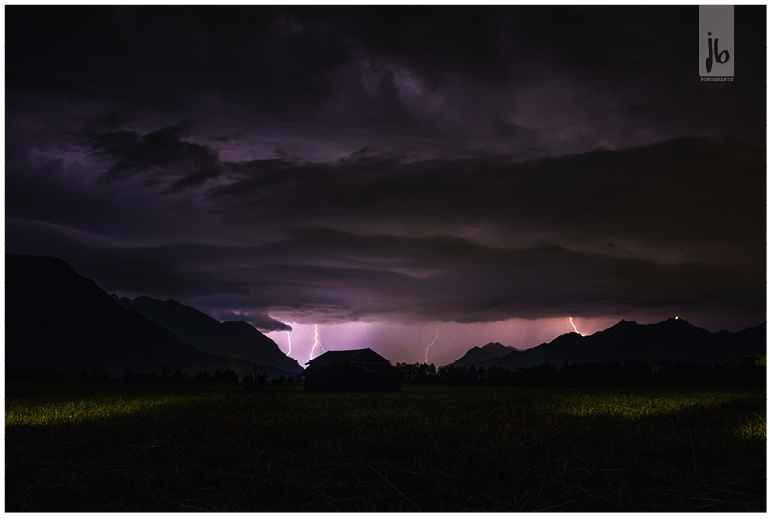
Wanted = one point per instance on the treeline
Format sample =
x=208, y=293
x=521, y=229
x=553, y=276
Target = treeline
x=749, y=370
x=165, y=376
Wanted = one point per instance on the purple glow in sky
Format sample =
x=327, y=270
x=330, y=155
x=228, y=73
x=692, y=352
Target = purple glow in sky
x=406, y=343
x=418, y=180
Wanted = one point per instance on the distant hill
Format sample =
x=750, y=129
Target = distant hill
x=235, y=339
x=477, y=355
x=670, y=340
x=63, y=322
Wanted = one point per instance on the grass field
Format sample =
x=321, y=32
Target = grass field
x=126, y=447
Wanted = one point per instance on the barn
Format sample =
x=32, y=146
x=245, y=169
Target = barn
x=361, y=370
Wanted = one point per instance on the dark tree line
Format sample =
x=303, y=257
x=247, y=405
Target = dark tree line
x=165, y=376
x=749, y=370
x=179, y=376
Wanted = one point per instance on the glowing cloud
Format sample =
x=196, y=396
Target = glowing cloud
x=416, y=342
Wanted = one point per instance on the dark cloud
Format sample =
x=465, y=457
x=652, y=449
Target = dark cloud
x=262, y=322
x=332, y=163
x=159, y=153
x=687, y=192
x=631, y=65
x=329, y=276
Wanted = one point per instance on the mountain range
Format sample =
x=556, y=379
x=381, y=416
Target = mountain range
x=672, y=340
x=63, y=322
x=236, y=339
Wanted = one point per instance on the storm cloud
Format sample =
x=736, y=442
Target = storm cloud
x=391, y=164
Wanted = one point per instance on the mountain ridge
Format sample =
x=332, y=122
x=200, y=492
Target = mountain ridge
x=480, y=354
x=60, y=321
x=671, y=340
x=237, y=339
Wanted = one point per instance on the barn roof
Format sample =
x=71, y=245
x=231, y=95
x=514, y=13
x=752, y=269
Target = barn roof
x=362, y=355
x=364, y=358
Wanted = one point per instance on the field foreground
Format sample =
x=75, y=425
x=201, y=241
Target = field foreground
x=129, y=447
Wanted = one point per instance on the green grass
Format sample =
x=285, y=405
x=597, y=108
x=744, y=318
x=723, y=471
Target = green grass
x=80, y=410
x=121, y=447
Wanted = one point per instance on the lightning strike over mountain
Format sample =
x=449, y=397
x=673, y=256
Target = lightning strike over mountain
x=431, y=344
x=573, y=326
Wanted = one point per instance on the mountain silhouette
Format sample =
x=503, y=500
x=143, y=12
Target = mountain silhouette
x=63, y=322
x=672, y=340
x=236, y=339
x=477, y=355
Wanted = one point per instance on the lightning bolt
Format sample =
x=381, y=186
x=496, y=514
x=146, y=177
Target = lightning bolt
x=316, y=342
x=573, y=326
x=288, y=336
x=386, y=330
x=364, y=327
x=461, y=341
x=431, y=344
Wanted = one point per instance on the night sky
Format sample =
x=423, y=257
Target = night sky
x=418, y=180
